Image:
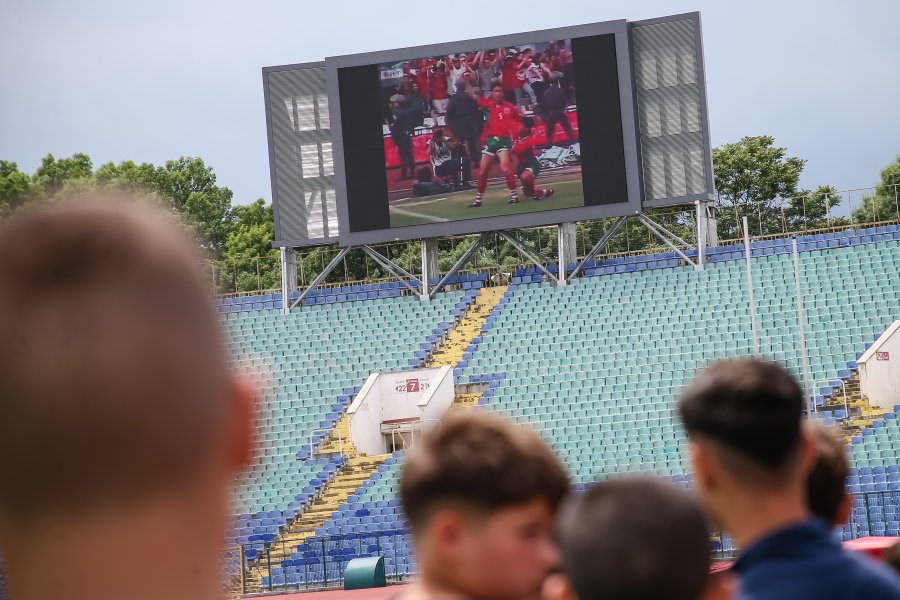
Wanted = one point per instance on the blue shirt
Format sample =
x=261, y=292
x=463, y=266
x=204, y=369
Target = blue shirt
x=804, y=562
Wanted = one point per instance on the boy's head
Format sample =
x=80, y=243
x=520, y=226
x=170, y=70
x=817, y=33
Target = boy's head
x=827, y=481
x=743, y=418
x=632, y=539
x=117, y=405
x=480, y=494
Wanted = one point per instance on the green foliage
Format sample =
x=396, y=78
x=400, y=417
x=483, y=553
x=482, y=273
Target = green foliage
x=751, y=175
x=884, y=204
x=15, y=187
x=813, y=210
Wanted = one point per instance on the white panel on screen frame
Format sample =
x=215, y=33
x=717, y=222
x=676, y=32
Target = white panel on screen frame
x=309, y=160
x=306, y=114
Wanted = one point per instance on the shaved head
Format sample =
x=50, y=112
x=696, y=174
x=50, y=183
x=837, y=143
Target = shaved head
x=114, y=382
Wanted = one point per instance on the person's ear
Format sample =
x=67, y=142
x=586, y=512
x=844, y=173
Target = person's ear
x=808, y=452
x=244, y=406
x=704, y=470
x=447, y=531
x=846, y=507
x=557, y=586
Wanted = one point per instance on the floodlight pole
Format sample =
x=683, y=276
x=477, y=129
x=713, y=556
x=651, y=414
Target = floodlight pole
x=430, y=266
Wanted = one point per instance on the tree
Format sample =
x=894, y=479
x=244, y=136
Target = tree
x=53, y=175
x=884, y=204
x=15, y=187
x=251, y=262
x=813, y=209
x=750, y=176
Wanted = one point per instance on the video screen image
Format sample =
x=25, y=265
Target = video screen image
x=480, y=134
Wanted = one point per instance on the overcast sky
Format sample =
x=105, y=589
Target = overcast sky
x=150, y=81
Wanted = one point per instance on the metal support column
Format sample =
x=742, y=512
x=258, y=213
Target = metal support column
x=459, y=263
x=568, y=254
x=707, y=233
x=597, y=247
x=429, y=265
x=288, y=277
x=661, y=232
x=533, y=255
x=393, y=268
x=321, y=276
x=750, y=287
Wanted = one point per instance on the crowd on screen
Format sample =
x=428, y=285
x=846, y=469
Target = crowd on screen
x=427, y=84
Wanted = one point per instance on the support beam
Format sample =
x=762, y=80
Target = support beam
x=393, y=268
x=567, y=252
x=456, y=267
x=429, y=264
x=530, y=254
x=707, y=232
x=753, y=326
x=321, y=276
x=660, y=232
x=597, y=248
x=288, y=277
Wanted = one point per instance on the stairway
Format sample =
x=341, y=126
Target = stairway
x=861, y=413
x=451, y=351
x=355, y=472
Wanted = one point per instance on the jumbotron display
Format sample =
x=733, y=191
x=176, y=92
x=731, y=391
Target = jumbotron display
x=507, y=132
x=494, y=130
x=482, y=135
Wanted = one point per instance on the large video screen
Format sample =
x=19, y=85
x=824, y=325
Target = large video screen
x=484, y=135
x=481, y=133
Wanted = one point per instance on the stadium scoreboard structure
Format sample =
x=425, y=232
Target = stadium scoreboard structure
x=349, y=142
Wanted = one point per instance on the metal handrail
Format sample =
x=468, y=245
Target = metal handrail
x=843, y=387
x=325, y=429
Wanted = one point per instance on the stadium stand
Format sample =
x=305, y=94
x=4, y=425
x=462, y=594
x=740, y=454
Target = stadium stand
x=595, y=366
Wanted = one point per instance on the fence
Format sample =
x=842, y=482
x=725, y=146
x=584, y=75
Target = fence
x=320, y=562
x=232, y=561
x=810, y=213
x=316, y=563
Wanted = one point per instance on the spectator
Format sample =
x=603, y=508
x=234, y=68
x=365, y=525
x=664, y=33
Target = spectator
x=552, y=109
x=417, y=105
x=487, y=71
x=464, y=118
x=634, y=539
x=445, y=164
x=752, y=462
x=122, y=427
x=439, y=94
x=511, y=78
x=480, y=494
x=402, y=128
x=827, y=485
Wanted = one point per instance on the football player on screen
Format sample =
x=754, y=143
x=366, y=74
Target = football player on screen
x=528, y=168
x=503, y=122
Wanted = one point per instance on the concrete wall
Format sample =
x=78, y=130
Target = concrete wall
x=879, y=369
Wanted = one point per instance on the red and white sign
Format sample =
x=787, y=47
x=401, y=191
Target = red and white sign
x=882, y=356
x=412, y=386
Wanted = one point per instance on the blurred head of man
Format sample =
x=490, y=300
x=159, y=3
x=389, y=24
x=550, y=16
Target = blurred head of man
x=750, y=455
x=827, y=483
x=480, y=494
x=121, y=424
x=632, y=539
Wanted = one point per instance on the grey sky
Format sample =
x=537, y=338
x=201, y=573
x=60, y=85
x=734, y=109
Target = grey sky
x=150, y=81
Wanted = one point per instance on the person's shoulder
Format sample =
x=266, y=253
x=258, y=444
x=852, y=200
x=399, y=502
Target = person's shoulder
x=873, y=579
